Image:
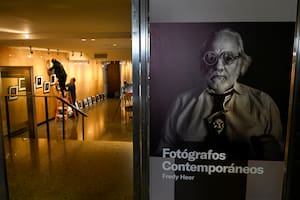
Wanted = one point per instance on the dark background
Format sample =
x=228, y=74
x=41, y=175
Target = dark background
x=175, y=63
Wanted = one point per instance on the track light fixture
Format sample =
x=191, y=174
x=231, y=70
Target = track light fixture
x=30, y=50
x=80, y=53
x=48, y=51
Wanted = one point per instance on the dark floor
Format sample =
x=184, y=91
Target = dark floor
x=98, y=167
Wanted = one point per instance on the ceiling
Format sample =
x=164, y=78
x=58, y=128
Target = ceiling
x=60, y=25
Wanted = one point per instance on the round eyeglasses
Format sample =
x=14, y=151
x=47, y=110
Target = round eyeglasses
x=211, y=58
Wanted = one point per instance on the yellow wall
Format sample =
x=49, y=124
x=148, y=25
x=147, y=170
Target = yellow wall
x=126, y=72
x=17, y=107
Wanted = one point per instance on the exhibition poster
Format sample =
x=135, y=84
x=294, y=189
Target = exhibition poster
x=219, y=98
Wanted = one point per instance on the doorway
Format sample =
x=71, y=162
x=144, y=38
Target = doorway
x=18, y=103
x=113, y=79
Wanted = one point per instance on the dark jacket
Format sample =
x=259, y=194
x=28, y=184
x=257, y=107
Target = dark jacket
x=60, y=73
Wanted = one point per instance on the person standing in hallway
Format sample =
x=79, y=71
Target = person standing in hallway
x=71, y=88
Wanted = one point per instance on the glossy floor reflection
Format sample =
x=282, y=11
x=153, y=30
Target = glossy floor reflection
x=99, y=167
x=106, y=121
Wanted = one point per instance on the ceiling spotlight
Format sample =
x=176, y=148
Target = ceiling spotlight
x=80, y=53
x=114, y=44
x=93, y=39
x=83, y=39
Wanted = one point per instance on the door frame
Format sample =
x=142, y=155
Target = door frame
x=140, y=75
x=27, y=72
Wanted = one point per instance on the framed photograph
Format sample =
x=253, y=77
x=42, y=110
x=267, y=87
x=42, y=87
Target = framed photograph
x=93, y=99
x=79, y=103
x=12, y=92
x=89, y=99
x=39, y=81
x=22, y=84
x=85, y=102
x=97, y=98
x=76, y=105
x=57, y=87
x=52, y=79
x=46, y=87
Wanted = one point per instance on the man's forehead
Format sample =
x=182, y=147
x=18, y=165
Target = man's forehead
x=225, y=42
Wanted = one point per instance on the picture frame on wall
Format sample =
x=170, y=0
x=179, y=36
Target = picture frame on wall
x=57, y=87
x=46, y=87
x=52, y=79
x=22, y=84
x=39, y=81
x=85, y=103
x=79, y=103
x=76, y=105
x=13, y=92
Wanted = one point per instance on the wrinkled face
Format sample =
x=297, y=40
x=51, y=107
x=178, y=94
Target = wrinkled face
x=223, y=61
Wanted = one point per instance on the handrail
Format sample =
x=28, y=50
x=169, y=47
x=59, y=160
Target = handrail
x=63, y=114
x=46, y=112
x=72, y=106
x=62, y=99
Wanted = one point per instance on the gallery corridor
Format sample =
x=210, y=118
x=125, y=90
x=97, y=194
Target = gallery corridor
x=98, y=167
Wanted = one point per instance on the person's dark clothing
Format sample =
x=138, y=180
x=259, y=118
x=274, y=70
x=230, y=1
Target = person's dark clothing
x=60, y=74
x=72, y=90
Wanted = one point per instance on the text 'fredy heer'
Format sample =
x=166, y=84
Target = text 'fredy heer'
x=177, y=177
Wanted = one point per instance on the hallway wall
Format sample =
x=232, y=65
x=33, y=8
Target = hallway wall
x=89, y=80
x=89, y=75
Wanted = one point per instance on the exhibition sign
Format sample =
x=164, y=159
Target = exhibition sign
x=219, y=100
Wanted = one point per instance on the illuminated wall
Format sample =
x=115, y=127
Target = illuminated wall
x=89, y=75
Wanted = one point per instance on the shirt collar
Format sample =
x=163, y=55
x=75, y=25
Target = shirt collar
x=238, y=89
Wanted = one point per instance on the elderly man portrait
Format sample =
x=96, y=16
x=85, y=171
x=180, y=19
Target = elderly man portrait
x=225, y=115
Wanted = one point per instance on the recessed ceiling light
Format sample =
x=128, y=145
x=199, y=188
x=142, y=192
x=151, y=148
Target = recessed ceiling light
x=93, y=39
x=114, y=45
x=83, y=39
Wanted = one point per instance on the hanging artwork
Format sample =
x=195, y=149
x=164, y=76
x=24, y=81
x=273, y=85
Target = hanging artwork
x=46, y=87
x=39, y=81
x=22, y=84
x=52, y=79
x=12, y=92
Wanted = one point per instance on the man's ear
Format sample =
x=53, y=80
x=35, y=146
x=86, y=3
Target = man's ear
x=245, y=63
x=243, y=69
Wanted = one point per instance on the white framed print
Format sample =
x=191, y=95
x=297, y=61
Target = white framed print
x=52, y=79
x=46, y=87
x=22, y=84
x=39, y=81
x=12, y=92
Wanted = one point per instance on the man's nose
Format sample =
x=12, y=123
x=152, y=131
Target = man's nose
x=219, y=65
